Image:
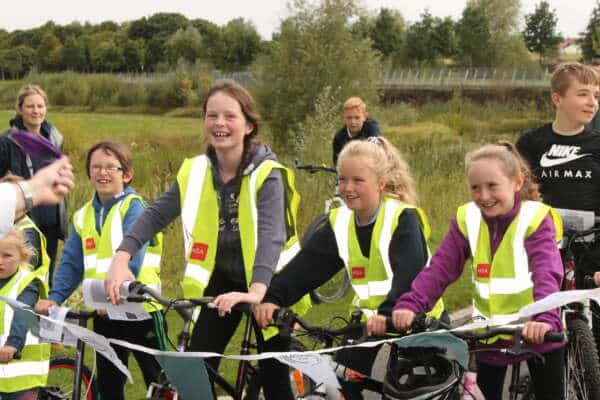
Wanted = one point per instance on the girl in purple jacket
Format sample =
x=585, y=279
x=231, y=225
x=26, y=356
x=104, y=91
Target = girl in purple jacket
x=503, y=195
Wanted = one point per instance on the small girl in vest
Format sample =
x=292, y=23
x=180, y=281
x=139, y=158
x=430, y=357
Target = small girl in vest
x=379, y=237
x=238, y=210
x=39, y=260
x=87, y=254
x=510, y=239
x=19, y=377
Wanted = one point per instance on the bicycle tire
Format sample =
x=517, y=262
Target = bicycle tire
x=301, y=384
x=582, y=368
x=337, y=287
x=60, y=380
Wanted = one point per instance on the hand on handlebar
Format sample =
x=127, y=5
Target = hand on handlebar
x=376, y=325
x=597, y=278
x=7, y=353
x=263, y=313
x=533, y=331
x=118, y=273
x=42, y=306
x=403, y=319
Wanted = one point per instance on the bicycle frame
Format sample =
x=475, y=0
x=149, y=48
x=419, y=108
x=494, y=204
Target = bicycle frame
x=82, y=318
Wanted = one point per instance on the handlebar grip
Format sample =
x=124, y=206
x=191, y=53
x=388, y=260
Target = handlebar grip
x=554, y=337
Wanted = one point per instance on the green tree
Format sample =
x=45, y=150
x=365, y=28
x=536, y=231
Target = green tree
x=241, y=45
x=49, y=53
x=474, y=37
x=387, y=32
x=590, y=40
x=429, y=39
x=315, y=50
x=16, y=61
x=74, y=55
x=184, y=44
x=363, y=27
x=134, y=54
x=540, y=31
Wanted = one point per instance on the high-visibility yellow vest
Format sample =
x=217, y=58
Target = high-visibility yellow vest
x=371, y=277
x=502, y=282
x=31, y=370
x=200, y=221
x=27, y=223
x=98, y=249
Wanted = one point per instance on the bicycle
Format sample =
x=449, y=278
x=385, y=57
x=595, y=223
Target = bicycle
x=337, y=287
x=583, y=376
x=247, y=385
x=68, y=377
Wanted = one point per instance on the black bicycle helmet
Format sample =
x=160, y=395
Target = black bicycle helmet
x=420, y=373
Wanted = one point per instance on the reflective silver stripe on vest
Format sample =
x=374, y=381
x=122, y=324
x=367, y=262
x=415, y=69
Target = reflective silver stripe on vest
x=9, y=313
x=151, y=260
x=116, y=237
x=391, y=207
x=191, y=200
x=253, y=209
x=522, y=280
x=286, y=255
x=89, y=261
x=24, y=368
x=340, y=229
x=199, y=274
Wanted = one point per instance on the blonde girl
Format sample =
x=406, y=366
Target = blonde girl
x=515, y=261
x=379, y=237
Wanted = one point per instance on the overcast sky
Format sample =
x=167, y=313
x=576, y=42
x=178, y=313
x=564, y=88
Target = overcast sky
x=573, y=15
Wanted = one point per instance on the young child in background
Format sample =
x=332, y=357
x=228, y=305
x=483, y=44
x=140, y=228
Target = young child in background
x=511, y=239
x=357, y=125
x=20, y=377
x=379, y=236
x=98, y=228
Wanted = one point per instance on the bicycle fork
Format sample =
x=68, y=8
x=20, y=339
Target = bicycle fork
x=242, y=372
x=79, y=358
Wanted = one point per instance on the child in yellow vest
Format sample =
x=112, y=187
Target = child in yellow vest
x=379, y=237
x=511, y=239
x=238, y=210
x=87, y=254
x=20, y=377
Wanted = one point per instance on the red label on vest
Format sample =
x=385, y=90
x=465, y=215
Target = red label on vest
x=199, y=251
x=90, y=244
x=483, y=270
x=358, y=272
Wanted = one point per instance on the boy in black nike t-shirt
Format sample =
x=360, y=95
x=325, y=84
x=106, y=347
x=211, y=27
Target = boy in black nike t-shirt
x=564, y=156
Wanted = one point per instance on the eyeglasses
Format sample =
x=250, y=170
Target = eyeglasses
x=111, y=169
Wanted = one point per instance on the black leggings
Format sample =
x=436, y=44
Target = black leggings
x=547, y=377
x=212, y=333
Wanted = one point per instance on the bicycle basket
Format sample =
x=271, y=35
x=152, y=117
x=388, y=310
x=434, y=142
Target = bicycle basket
x=420, y=373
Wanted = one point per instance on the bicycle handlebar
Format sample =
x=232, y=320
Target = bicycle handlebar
x=314, y=168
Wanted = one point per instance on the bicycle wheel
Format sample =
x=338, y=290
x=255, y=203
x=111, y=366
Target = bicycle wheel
x=582, y=368
x=301, y=384
x=60, y=380
x=337, y=287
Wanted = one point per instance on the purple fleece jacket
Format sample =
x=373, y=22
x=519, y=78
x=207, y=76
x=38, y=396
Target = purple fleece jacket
x=448, y=262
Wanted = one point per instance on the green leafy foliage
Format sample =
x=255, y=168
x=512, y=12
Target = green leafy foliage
x=540, y=31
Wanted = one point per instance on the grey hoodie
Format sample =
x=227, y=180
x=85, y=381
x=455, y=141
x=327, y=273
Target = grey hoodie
x=271, y=223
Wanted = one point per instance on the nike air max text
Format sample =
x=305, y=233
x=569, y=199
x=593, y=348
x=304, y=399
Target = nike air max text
x=560, y=154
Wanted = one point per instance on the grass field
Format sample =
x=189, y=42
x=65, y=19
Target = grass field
x=433, y=138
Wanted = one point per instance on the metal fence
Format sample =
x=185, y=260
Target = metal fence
x=424, y=78
x=464, y=77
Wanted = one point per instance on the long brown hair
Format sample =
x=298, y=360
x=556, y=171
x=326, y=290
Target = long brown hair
x=248, y=107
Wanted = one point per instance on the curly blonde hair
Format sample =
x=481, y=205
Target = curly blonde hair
x=512, y=165
x=385, y=160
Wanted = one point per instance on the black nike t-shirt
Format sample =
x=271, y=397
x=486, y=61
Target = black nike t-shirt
x=567, y=168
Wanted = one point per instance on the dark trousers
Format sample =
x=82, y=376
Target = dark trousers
x=111, y=381
x=547, y=377
x=212, y=333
